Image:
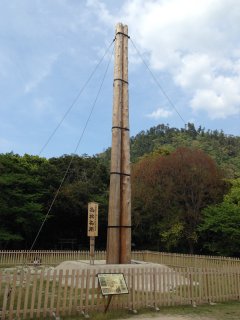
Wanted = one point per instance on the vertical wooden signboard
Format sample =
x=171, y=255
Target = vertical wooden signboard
x=92, y=227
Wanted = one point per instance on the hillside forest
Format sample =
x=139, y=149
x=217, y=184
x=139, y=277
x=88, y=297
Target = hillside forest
x=185, y=194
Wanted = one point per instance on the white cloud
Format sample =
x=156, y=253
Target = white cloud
x=103, y=13
x=221, y=100
x=196, y=42
x=40, y=68
x=160, y=113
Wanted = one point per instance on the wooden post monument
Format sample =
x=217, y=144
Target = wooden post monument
x=119, y=214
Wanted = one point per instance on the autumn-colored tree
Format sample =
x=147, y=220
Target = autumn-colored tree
x=169, y=193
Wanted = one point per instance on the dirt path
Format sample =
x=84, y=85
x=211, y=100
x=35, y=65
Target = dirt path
x=170, y=317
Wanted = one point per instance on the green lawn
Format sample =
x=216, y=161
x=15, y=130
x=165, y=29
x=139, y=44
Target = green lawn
x=220, y=311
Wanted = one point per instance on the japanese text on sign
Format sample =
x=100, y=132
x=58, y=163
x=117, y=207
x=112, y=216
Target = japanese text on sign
x=112, y=283
x=92, y=219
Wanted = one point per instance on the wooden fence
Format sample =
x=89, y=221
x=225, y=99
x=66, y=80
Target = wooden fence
x=45, y=257
x=187, y=260
x=49, y=257
x=39, y=293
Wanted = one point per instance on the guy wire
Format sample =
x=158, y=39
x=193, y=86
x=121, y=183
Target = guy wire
x=157, y=82
x=75, y=99
x=71, y=160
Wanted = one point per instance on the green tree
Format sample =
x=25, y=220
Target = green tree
x=220, y=227
x=28, y=185
x=21, y=193
x=87, y=180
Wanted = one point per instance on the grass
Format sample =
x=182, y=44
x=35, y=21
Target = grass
x=220, y=311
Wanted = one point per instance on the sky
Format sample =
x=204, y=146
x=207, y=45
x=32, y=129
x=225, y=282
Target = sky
x=49, y=49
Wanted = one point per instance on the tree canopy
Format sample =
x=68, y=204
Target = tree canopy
x=28, y=185
x=220, y=226
x=181, y=199
x=169, y=193
x=224, y=149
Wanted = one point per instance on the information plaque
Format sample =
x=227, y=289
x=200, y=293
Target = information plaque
x=112, y=283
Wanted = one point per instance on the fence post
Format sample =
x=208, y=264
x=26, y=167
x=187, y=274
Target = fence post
x=193, y=302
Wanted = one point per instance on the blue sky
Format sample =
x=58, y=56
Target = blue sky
x=49, y=48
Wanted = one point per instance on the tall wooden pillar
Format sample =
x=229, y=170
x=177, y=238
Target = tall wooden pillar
x=119, y=214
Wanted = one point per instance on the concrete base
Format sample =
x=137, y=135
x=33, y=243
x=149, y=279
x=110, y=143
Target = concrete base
x=165, y=279
x=101, y=265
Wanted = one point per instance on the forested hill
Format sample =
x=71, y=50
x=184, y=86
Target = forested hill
x=181, y=201
x=162, y=139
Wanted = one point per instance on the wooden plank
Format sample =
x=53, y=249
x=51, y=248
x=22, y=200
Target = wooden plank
x=1, y=282
x=133, y=283
x=128, y=301
x=181, y=285
x=146, y=277
x=59, y=292
x=6, y=296
x=40, y=294
x=77, y=277
x=219, y=280
x=186, y=286
x=64, y=304
x=53, y=289
x=116, y=299
x=200, y=279
x=142, y=287
x=164, y=286
x=210, y=286
x=155, y=285
x=19, y=296
x=26, y=297
x=168, y=287
x=137, y=274
x=221, y=287
x=11, y=296
x=98, y=308
x=235, y=283
x=71, y=297
x=151, y=287
x=190, y=285
x=46, y=294
x=238, y=283
x=33, y=295
x=231, y=295
x=87, y=292
x=214, y=283
x=82, y=291
x=93, y=278
x=172, y=281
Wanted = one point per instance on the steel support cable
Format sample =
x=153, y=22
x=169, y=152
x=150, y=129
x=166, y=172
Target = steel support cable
x=74, y=152
x=75, y=99
x=158, y=83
